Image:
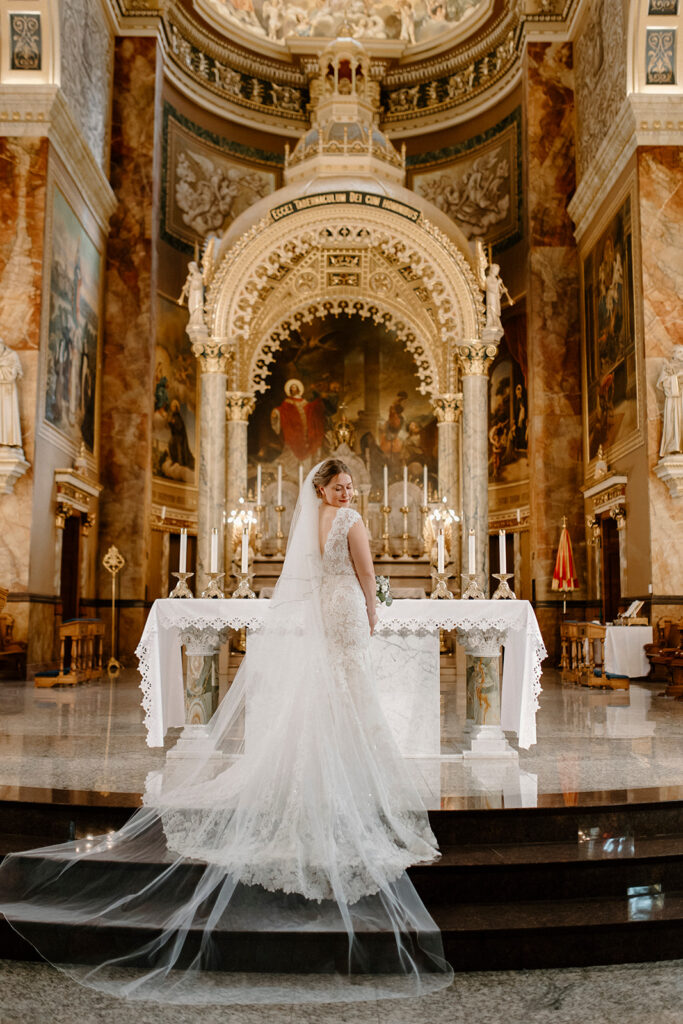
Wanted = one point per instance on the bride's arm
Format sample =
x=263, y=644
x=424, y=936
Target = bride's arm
x=359, y=546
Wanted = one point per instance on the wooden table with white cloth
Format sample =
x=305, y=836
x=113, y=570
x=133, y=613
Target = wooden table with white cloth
x=625, y=651
x=405, y=652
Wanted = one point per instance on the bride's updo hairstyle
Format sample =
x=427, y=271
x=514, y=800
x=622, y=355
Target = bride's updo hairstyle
x=327, y=472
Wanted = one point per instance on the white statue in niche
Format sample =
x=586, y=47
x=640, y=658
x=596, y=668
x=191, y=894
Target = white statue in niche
x=194, y=290
x=494, y=289
x=10, y=372
x=670, y=381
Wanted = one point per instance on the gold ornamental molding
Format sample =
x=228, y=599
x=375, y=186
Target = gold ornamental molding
x=447, y=408
x=475, y=359
x=239, y=406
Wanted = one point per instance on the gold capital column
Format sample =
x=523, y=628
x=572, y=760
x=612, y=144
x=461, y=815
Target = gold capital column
x=214, y=355
x=475, y=358
x=239, y=406
x=448, y=409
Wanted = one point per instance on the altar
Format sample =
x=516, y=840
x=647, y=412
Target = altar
x=405, y=653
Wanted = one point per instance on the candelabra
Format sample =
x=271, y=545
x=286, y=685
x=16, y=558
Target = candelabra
x=258, y=539
x=405, y=536
x=503, y=591
x=181, y=588
x=243, y=589
x=473, y=591
x=279, y=535
x=386, y=512
x=214, y=589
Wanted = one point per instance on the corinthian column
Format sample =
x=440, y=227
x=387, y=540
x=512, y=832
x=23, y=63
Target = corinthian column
x=239, y=406
x=214, y=356
x=447, y=409
x=475, y=359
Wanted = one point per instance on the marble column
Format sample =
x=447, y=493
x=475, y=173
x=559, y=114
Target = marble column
x=475, y=359
x=553, y=333
x=239, y=406
x=214, y=357
x=448, y=409
x=129, y=338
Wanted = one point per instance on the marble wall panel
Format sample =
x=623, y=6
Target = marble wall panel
x=86, y=56
x=553, y=339
x=660, y=187
x=129, y=334
x=600, y=60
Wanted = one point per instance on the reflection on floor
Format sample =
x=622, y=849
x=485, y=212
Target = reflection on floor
x=630, y=994
x=91, y=737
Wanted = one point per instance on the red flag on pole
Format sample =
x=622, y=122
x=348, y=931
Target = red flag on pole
x=564, y=576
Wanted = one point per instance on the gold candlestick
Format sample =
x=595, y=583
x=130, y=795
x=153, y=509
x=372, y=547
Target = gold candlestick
x=181, y=588
x=405, y=536
x=440, y=589
x=213, y=589
x=503, y=591
x=258, y=539
x=386, y=512
x=279, y=535
x=473, y=591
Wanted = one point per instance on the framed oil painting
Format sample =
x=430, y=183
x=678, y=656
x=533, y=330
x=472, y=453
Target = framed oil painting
x=508, y=423
x=73, y=327
x=174, y=430
x=611, y=393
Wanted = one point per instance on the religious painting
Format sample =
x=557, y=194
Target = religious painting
x=478, y=188
x=508, y=420
x=174, y=429
x=72, y=327
x=610, y=336
x=344, y=380
x=208, y=181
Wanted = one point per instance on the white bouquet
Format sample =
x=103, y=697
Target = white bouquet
x=383, y=590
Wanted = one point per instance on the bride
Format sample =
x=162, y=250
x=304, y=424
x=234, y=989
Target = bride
x=284, y=848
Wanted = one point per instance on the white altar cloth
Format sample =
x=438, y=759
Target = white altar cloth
x=625, y=651
x=513, y=623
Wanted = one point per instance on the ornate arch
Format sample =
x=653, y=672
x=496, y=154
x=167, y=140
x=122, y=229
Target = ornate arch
x=332, y=255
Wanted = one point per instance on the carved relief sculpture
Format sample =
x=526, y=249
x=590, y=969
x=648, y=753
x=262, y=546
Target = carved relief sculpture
x=670, y=382
x=494, y=289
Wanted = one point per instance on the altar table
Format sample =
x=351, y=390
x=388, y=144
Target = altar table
x=511, y=624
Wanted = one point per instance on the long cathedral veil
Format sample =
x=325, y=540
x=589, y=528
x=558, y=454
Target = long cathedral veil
x=268, y=869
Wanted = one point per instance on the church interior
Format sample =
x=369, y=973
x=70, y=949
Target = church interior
x=441, y=241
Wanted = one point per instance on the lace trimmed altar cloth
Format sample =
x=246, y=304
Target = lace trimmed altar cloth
x=511, y=623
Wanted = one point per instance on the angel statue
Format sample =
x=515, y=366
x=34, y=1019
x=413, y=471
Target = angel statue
x=193, y=289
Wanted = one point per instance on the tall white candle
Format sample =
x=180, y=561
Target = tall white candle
x=245, y=549
x=501, y=551
x=214, y=550
x=425, y=485
x=163, y=513
x=182, y=567
x=386, y=485
x=301, y=477
x=279, y=484
x=440, y=551
x=405, y=486
x=472, y=555
x=258, y=484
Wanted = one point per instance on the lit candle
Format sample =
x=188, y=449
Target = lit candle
x=279, y=484
x=405, y=486
x=258, y=484
x=386, y=486
x=245, y=549
x=214, y=550
x=301, y=477
x=440, y=551
x=183, y=551
x=471, y=552
x=425, y=485
x=501, y=551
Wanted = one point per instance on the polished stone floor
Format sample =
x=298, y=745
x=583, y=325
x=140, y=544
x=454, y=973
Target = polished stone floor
x=590, y=742
x=649, y=993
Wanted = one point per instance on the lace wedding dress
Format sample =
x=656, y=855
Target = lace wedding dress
x=302, y=816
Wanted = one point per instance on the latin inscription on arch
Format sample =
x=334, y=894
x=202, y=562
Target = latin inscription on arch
x=345, y=198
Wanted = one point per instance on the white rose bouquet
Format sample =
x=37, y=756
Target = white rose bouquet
x=383, y=590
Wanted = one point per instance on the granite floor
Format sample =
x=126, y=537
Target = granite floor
x=91, y=737
x=649, y=993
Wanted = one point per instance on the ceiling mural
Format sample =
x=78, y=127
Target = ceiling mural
x=412, y=21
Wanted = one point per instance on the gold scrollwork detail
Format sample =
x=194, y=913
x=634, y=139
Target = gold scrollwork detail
x=213, y=356
x=239, y=406
x=476, y=358
x=447, y=408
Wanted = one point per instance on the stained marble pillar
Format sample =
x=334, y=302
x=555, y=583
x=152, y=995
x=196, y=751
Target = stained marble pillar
x=482, y=728
x=128, y=351
x=448, y=409
x=553, y=335
x=475, y=360
x=214, y=357
x=660, y=198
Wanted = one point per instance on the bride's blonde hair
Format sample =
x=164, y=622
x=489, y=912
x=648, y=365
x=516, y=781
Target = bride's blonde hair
x=327, y=471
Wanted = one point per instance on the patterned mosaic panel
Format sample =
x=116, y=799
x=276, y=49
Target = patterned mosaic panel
x=660, y=56
x=25, y=42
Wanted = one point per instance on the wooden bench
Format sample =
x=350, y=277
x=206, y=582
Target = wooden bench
x=81, y=643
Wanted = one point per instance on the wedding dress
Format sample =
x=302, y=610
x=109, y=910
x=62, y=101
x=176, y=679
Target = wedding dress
x=301, y=818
